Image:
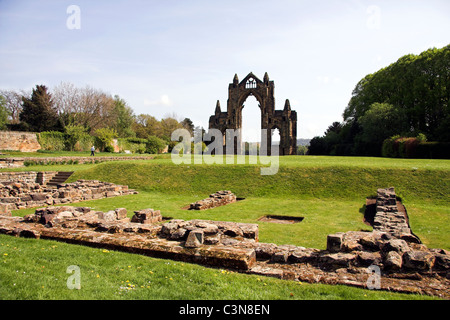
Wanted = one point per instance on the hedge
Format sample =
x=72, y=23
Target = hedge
x=406, y=147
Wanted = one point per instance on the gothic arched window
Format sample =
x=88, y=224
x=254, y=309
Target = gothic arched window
x=250, y=84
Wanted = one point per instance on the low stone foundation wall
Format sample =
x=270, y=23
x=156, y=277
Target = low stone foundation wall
x=391, y=216
x=20, y=162
x=220, y=198
x=24, y=195
x=26, y=177
x=84, y=226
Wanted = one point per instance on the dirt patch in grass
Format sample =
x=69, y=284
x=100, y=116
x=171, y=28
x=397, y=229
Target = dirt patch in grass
x=281, y=219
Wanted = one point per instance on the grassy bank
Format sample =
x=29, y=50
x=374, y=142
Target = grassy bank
x=328, y=192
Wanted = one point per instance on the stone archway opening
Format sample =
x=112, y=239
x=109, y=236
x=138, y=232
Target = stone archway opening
x=276, y=138
x=251, y=121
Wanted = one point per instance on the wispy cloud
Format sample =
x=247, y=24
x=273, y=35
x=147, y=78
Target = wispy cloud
x=164, y=100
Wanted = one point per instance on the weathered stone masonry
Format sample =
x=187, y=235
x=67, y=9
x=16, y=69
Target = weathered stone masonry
x=19, y=141
x=220, y=198
x=16, y=195
x=20, y=162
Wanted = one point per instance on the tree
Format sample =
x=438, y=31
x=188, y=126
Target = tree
x=123, y=118
x=105, y=138
x=168, y=125
x=95, y=110
x=335, y=127
x=13, y=103
x=188, y=125
x=318, y=146
x=380, y=122
x=38, y=113
x=67, y=99
x=74, y=134
x=154, y=145
x=3, y=113
x=415, y=84
x=145, y=125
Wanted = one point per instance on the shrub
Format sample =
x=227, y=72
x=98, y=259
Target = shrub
x=52, y=140
x=135, y=145
x=104, y=138
x=108, y=148
x=433, y=150
x=409, y=147
x=74, y=134
x=154, y=145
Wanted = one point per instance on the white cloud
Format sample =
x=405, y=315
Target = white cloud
x=328, y=79
x=164, y=100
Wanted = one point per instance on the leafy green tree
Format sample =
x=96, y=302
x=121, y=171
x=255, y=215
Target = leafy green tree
x=3, y=113
x=318, y=146
x=38, y=113
x=105, y=138
x=416, y=84
x=74, y=134
x=123, y=118
x=154, y=145
x=168, y=125
x=302, y=150
x=145, y=125
x=381, y=121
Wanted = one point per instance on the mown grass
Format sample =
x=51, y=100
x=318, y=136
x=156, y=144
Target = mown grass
x=37, y=269
x=44, y=153
x=329, y=192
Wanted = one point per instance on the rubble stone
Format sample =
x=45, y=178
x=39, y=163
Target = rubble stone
x=217, y=199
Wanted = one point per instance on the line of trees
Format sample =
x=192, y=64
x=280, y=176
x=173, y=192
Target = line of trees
x=406, y=101
x=81, y=112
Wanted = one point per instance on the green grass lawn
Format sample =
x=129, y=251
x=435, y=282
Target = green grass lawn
x=37, y=269
x=44, y=154
x=328, y=192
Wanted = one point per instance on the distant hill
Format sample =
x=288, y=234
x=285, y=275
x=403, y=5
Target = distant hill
x=303, y=142
x=300, y=142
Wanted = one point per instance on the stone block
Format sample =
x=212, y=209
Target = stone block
x=194, y=239
x=121, y=213
x=147, y=216
x=418, y=260
x=4, y=209
x=366, y=259
x=393, y=260
x=335, y=241
x=335, y=260
x=212, y=239
x=64, y=214
x=108, y=216
x=303, y=255
x=396, y=245
x=178, y=234
x=280, y=256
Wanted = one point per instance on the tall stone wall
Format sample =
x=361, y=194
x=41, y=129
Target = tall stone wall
x=19, y=141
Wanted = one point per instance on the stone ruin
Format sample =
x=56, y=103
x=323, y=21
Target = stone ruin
x=217, y=199
x=20, y=162
x=22, y=195
x=404, y=263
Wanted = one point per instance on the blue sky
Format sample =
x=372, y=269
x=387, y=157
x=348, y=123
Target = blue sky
x=166, y=57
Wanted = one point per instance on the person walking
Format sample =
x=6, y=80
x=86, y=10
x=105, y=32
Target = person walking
x=92, y=151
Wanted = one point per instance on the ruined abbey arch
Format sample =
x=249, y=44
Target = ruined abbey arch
x=284, y=120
